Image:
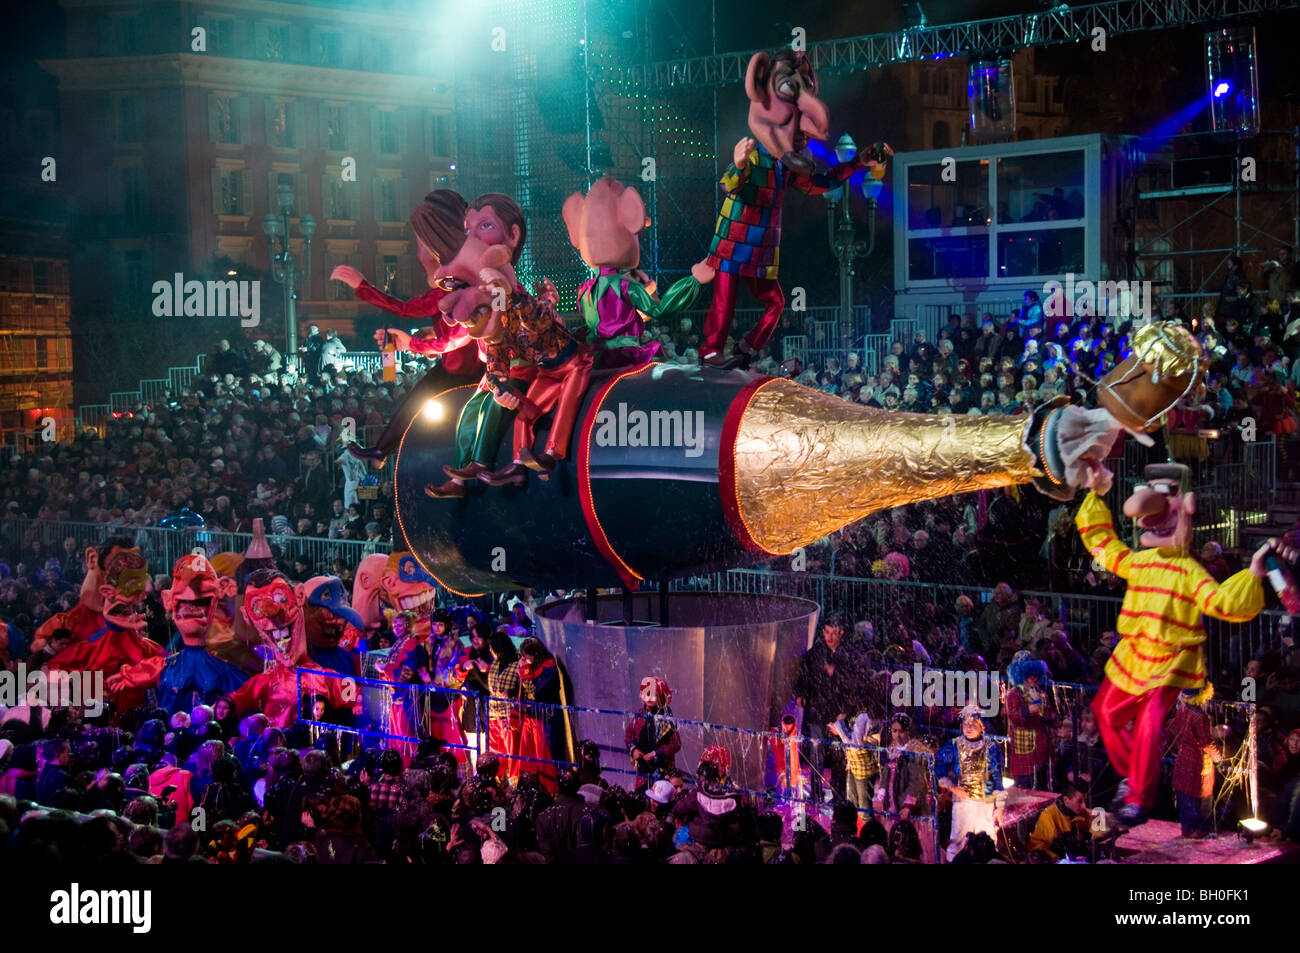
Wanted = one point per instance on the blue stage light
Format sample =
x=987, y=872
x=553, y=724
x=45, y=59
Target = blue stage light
x=1222, y=89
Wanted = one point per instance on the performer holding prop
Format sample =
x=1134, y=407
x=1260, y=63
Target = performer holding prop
x=1168, y=590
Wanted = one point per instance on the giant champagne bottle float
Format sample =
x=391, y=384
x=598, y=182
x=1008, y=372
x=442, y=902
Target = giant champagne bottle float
x=674, y=470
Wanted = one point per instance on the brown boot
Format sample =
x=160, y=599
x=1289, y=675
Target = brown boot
x=469, y=471
x=448, y=490
x=514, y=473
x=543, y=462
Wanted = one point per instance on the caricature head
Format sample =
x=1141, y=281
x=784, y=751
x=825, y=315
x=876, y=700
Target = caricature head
x=1163, y=506
x=192, y=599
x=602, y=224
x=439, y=226
x=496, y=219
x=96, y=560
x=784, y=111
x=271, y=607
x=326, y=612
x=466, y=301
x=124, y=588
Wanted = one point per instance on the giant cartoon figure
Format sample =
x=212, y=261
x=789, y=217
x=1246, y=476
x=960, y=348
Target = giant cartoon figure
x=602, y=226
x=515, y=326
x=784, y=114
x=334, y=630
x=131, y=663
x=273, y=610
x=387, y=584
x=86, y=617
x=1159, y=654
x=193, y=675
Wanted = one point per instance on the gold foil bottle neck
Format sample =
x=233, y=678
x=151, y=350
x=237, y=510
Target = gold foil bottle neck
x=808, y=463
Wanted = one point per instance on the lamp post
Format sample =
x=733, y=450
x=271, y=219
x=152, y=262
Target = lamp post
x=284, y=264
x=842, y=235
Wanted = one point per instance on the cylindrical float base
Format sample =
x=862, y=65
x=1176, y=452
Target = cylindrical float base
x=731, y=660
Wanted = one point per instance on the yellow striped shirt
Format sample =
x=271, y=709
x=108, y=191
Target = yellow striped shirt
x=1160, y=619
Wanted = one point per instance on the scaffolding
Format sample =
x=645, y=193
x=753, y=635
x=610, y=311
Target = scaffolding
x=1062, y=24
x=1201, y=198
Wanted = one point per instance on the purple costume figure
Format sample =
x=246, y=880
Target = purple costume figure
x=602, y=226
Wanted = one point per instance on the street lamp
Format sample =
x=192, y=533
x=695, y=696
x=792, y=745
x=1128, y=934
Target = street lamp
x=284, y=264
x=842, y=236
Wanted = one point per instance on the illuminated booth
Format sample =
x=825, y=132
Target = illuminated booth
x=976, y=227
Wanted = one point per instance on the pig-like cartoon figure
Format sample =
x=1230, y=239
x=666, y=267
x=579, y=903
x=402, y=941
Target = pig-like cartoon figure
x=603, y=226
x=784, y=115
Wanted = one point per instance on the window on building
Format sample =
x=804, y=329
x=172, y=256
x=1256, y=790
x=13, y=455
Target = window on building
x=221, y=35
x=339, y=198
x=329, y=48
x=121, y=35
x=338, y=291
x=133, y=269
x=272, y=41
x=940, y=137
x=127, y=119
x=281, y=130
x=228, y=192
x=380, y=53
x=440, y=135
x=334, y=127
x=386, y=140
x=41, y=277
x=42, y=352
x=224, y=119
x=133, y=201
x=390, y=274
x=388, y=206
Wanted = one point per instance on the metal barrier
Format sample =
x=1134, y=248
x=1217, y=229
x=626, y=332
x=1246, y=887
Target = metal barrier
x=162, y=547
x=1088, y=618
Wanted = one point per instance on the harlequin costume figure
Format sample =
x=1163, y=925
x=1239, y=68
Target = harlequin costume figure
x=1030, y=719
x=192, y=675
x=1159, y=654
x=603, y=227
x=784, y=114
x=131, y=663
x=970, y=766
x=651, y=736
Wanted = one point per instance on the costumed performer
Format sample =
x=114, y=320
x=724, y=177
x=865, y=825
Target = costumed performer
x=970, y=766
x=1159, y=653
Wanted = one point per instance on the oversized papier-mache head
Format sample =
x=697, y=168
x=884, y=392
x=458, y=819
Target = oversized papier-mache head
x=1163, y=506
x=784, y=111
x=1166, y=365
x=603, y=224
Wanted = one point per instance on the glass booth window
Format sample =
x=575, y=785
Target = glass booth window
x=958, y=198
x=1040, y=251
x=1040, y=188
x=948, y=256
